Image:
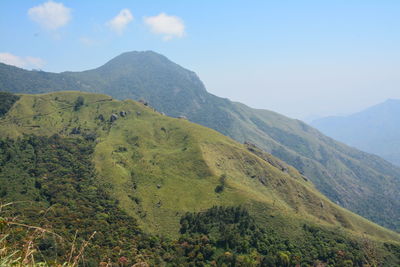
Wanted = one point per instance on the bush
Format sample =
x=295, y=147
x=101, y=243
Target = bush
x=219, y=188
x=79, y=102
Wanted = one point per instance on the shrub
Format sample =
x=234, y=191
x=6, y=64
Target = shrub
x=79, y=102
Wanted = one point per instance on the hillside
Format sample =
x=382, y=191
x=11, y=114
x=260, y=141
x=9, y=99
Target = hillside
x=361, y=182
x=375, y=130
x=141, y=166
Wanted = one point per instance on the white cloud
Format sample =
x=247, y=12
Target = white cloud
x=168, y=26
x=10, y=59
x=119, y=22
x=50, y=15
x=22, y=62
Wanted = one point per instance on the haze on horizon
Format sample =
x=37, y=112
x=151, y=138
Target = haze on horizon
x=304, y=60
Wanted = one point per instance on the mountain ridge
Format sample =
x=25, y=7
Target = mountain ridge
x=354, y=179
x=374, y=129
x=122, y=153
x=139, y=178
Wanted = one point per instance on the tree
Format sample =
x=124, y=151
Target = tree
x=79, y=103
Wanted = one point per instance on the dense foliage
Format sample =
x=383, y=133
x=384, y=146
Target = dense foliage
x=230, y=235
x=53, y=184
x=7, y=100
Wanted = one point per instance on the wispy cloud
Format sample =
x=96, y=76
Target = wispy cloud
x=87, y=41
x=165, y=25
x=34, y=62
x=119, y=22
x=22, y=62
x=50, y=15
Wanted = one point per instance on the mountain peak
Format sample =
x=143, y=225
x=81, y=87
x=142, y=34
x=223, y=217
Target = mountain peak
x=141, y=75
x=389, y=105
x=392, y=101
x=146, y=52
x=138, y=57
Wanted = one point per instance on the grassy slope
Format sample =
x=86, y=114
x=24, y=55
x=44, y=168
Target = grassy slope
x=354, y=179
x=358, y=181
x=160, y=167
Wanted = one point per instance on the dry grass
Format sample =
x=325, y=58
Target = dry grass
x=26, y=253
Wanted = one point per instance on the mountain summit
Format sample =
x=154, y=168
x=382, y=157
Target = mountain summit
x=361, y=182
x=145, y=75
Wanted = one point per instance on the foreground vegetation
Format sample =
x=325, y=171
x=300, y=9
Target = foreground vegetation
x=147, y=188
x=220, y=236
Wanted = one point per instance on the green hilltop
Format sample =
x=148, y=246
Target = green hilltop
x=358, y=181
x=159, y=170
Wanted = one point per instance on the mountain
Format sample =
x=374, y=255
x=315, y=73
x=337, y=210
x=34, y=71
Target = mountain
x=14, y=79
x=375, y=130
x=361, y=182
x=83, y=163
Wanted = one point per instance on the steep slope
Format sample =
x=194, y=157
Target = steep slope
x=362, y=182
x=358, y=181
x=375, y=129
x=156, y=169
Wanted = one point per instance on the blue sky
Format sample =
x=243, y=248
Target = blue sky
x=299, y=58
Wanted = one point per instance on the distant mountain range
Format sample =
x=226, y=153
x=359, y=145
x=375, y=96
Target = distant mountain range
x=375, y=130
x=359, y=181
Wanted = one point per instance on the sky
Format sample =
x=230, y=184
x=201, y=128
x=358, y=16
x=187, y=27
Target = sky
x=304, y=59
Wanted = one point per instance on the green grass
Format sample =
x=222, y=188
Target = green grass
x=159, y=167
x=360, y=182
